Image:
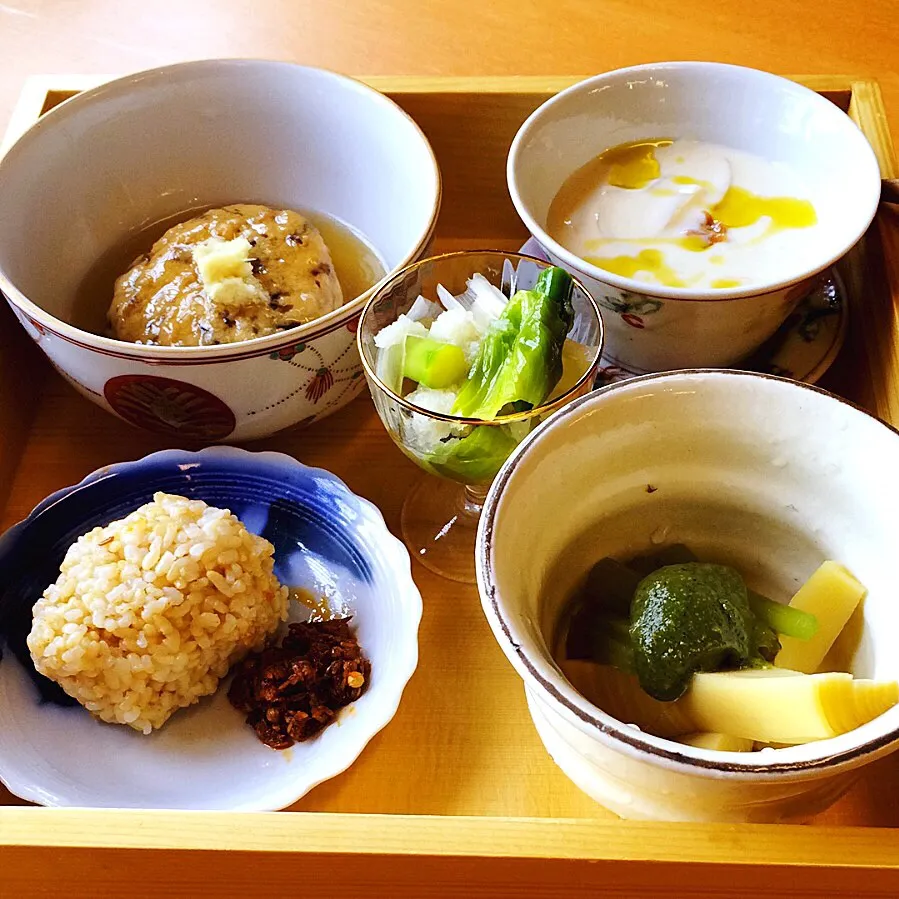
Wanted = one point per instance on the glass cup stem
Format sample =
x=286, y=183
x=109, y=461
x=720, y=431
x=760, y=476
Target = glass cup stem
x=440, y=524
x=472, y=502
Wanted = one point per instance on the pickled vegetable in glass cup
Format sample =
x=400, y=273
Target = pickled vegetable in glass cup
x=465, y=354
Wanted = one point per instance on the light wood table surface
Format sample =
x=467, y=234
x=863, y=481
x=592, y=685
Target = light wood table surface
x=451, y=37
x=439, y=37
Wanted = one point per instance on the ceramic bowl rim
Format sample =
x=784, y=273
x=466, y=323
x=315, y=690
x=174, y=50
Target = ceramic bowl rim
x=400, y=564
x=865, y=154
x=257, y=346
x=539, y=676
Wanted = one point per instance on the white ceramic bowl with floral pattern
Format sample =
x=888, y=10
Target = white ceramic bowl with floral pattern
x=770, y=476
x=656, y=328
x=147, y=147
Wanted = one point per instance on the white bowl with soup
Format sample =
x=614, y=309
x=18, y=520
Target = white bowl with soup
x=697, y=201
x=300, y=190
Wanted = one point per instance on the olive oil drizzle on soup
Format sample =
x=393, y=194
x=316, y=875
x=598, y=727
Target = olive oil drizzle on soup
x=682, y=213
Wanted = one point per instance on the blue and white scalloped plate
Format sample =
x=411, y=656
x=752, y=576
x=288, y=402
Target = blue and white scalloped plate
x=326, y=539
x=803, y=348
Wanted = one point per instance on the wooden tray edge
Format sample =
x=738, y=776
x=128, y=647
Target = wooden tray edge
x=867, y=110
x=456, y=836
x=103, y=831
x=37, y=87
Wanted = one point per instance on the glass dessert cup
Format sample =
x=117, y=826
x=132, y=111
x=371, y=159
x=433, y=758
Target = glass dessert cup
x=440, y=514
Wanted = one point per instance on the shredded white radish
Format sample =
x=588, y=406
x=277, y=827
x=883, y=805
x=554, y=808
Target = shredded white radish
x=448, y=300
x=455, y=326
x=460, y=320
x=490, y=296
x=481, y=298
x=396, y=332
x=422, y=432
x=389, y=367
x=424, y=310
x=433, y=400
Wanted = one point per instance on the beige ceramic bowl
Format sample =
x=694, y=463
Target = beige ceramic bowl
x=144, y=148
x=767, y=475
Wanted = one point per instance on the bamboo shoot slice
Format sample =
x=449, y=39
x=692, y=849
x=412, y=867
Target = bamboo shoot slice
x=717, y=742
x=831, y=594
x=787, y=707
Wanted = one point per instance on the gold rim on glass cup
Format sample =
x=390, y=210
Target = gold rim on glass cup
x=440, y=514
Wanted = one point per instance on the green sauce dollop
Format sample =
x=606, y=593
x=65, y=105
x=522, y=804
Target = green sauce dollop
x=693, y=617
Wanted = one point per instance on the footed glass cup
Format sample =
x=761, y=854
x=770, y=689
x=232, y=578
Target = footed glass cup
x=440, y=514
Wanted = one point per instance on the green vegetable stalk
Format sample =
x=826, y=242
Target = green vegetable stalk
x=518, y=364
x=433, y=363
x=519, y=361
x=612, y=644
x=783, y=618
x=675, y=554
x=610, y=587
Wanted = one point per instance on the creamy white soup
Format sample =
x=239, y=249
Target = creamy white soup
x=687, y=213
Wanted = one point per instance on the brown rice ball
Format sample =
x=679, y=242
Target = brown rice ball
x=150, y=612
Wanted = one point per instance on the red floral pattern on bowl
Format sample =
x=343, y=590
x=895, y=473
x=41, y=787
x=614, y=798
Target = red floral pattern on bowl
x=322, y=381
x=169, y=407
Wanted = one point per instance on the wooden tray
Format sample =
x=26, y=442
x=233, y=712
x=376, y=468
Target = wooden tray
x=457, y=795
